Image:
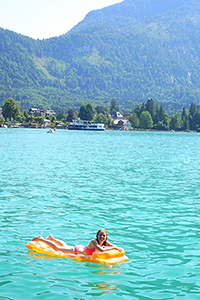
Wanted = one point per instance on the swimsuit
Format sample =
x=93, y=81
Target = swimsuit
x=77, y=247
x=87, y=250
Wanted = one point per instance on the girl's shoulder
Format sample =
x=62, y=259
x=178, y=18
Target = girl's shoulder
x=93, y=242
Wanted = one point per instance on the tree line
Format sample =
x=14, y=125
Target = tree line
x=152, y=115
x=149, y=115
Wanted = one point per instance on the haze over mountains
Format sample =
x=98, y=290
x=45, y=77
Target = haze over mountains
x=130, y=51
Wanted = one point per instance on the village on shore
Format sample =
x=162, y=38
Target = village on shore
x=118, y=120
x=149, y=116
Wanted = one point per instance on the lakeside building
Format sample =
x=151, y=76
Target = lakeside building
x=116, y=115
x=122, y=124
x=41, y=111
x=126, y=116
x=46, y=123
x=29, y=125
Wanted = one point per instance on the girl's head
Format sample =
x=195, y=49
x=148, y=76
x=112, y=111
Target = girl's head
x=102, y=234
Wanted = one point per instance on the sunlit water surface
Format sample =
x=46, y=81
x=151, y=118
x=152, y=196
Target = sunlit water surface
x=142, y=187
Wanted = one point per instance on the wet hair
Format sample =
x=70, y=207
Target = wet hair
x=104, y=243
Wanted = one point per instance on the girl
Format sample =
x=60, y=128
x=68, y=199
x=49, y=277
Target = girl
x=100, y=243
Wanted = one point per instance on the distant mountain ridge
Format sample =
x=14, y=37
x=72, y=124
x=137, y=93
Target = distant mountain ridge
x=129, y=51
x=133, y=11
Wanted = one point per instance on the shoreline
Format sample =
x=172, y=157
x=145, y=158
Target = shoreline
x=106, y=129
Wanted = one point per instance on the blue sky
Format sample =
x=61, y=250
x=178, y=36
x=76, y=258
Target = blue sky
x=46, y=18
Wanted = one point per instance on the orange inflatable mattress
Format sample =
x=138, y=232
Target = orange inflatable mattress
x=108, y=257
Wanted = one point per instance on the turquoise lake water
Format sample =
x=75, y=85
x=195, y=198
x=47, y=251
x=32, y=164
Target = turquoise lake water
x=142, y=187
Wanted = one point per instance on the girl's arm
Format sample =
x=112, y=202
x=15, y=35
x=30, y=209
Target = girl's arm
x=96, y=245
x=108, y=246
x=112, y=246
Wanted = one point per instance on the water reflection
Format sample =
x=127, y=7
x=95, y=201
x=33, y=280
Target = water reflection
x=98, y=269
x=100, y=288
x=32, y=254
x=106, y=273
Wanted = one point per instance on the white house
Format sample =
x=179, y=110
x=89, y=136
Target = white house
x=122, y=124
x=47, y=123
x=127, y=125
x=116, y=115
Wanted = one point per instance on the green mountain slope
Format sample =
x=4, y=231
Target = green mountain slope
x=130, y=51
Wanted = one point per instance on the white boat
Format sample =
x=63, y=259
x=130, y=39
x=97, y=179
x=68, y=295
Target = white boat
x=85, y=125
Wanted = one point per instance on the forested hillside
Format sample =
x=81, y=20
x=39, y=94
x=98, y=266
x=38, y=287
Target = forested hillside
x=130, y=51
